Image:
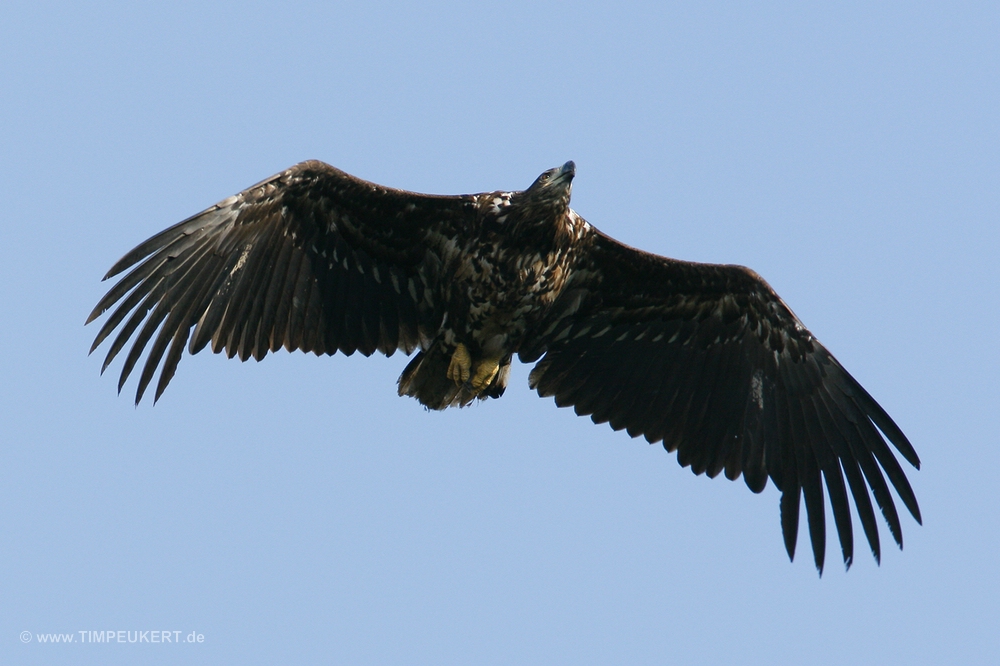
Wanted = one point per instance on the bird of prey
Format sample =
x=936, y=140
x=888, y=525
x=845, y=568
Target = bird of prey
x=705, y=358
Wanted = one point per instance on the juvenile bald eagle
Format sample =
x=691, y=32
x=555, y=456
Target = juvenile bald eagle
x=705, y=358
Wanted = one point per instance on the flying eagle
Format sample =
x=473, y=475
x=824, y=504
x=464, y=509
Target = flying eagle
x=705, y=358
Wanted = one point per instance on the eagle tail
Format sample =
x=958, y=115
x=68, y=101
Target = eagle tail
x=426, y=379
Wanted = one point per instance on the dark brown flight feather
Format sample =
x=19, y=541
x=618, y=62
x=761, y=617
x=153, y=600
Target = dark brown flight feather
x=705, y=358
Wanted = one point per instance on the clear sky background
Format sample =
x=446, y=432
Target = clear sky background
x=297, y=511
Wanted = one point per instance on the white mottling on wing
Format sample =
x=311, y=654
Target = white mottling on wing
x=757, y=389
x=242, y=260
x=500, y=200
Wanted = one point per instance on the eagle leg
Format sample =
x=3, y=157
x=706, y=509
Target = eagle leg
x=460, y=365
x=486, y=370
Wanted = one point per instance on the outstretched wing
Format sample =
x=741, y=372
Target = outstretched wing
x=311, y=258
x=709, y=360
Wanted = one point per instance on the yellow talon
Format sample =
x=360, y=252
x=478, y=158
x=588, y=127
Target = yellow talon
x=485, y=372
x=460, y=365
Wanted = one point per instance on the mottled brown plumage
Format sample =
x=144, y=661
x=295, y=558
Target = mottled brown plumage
x=705, y=358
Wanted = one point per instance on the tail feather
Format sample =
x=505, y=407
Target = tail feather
x=426, y=379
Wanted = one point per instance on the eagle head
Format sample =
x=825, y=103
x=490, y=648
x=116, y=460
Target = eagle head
x=553, y=187
x=546, y=201
x=541, y=211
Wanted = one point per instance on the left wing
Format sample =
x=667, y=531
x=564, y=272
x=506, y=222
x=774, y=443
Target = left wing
x=311, y=259
x=708, y=359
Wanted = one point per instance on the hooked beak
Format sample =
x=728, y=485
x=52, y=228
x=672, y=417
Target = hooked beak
x=566, y=172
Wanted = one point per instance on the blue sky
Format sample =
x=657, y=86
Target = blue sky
x=296, y=510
